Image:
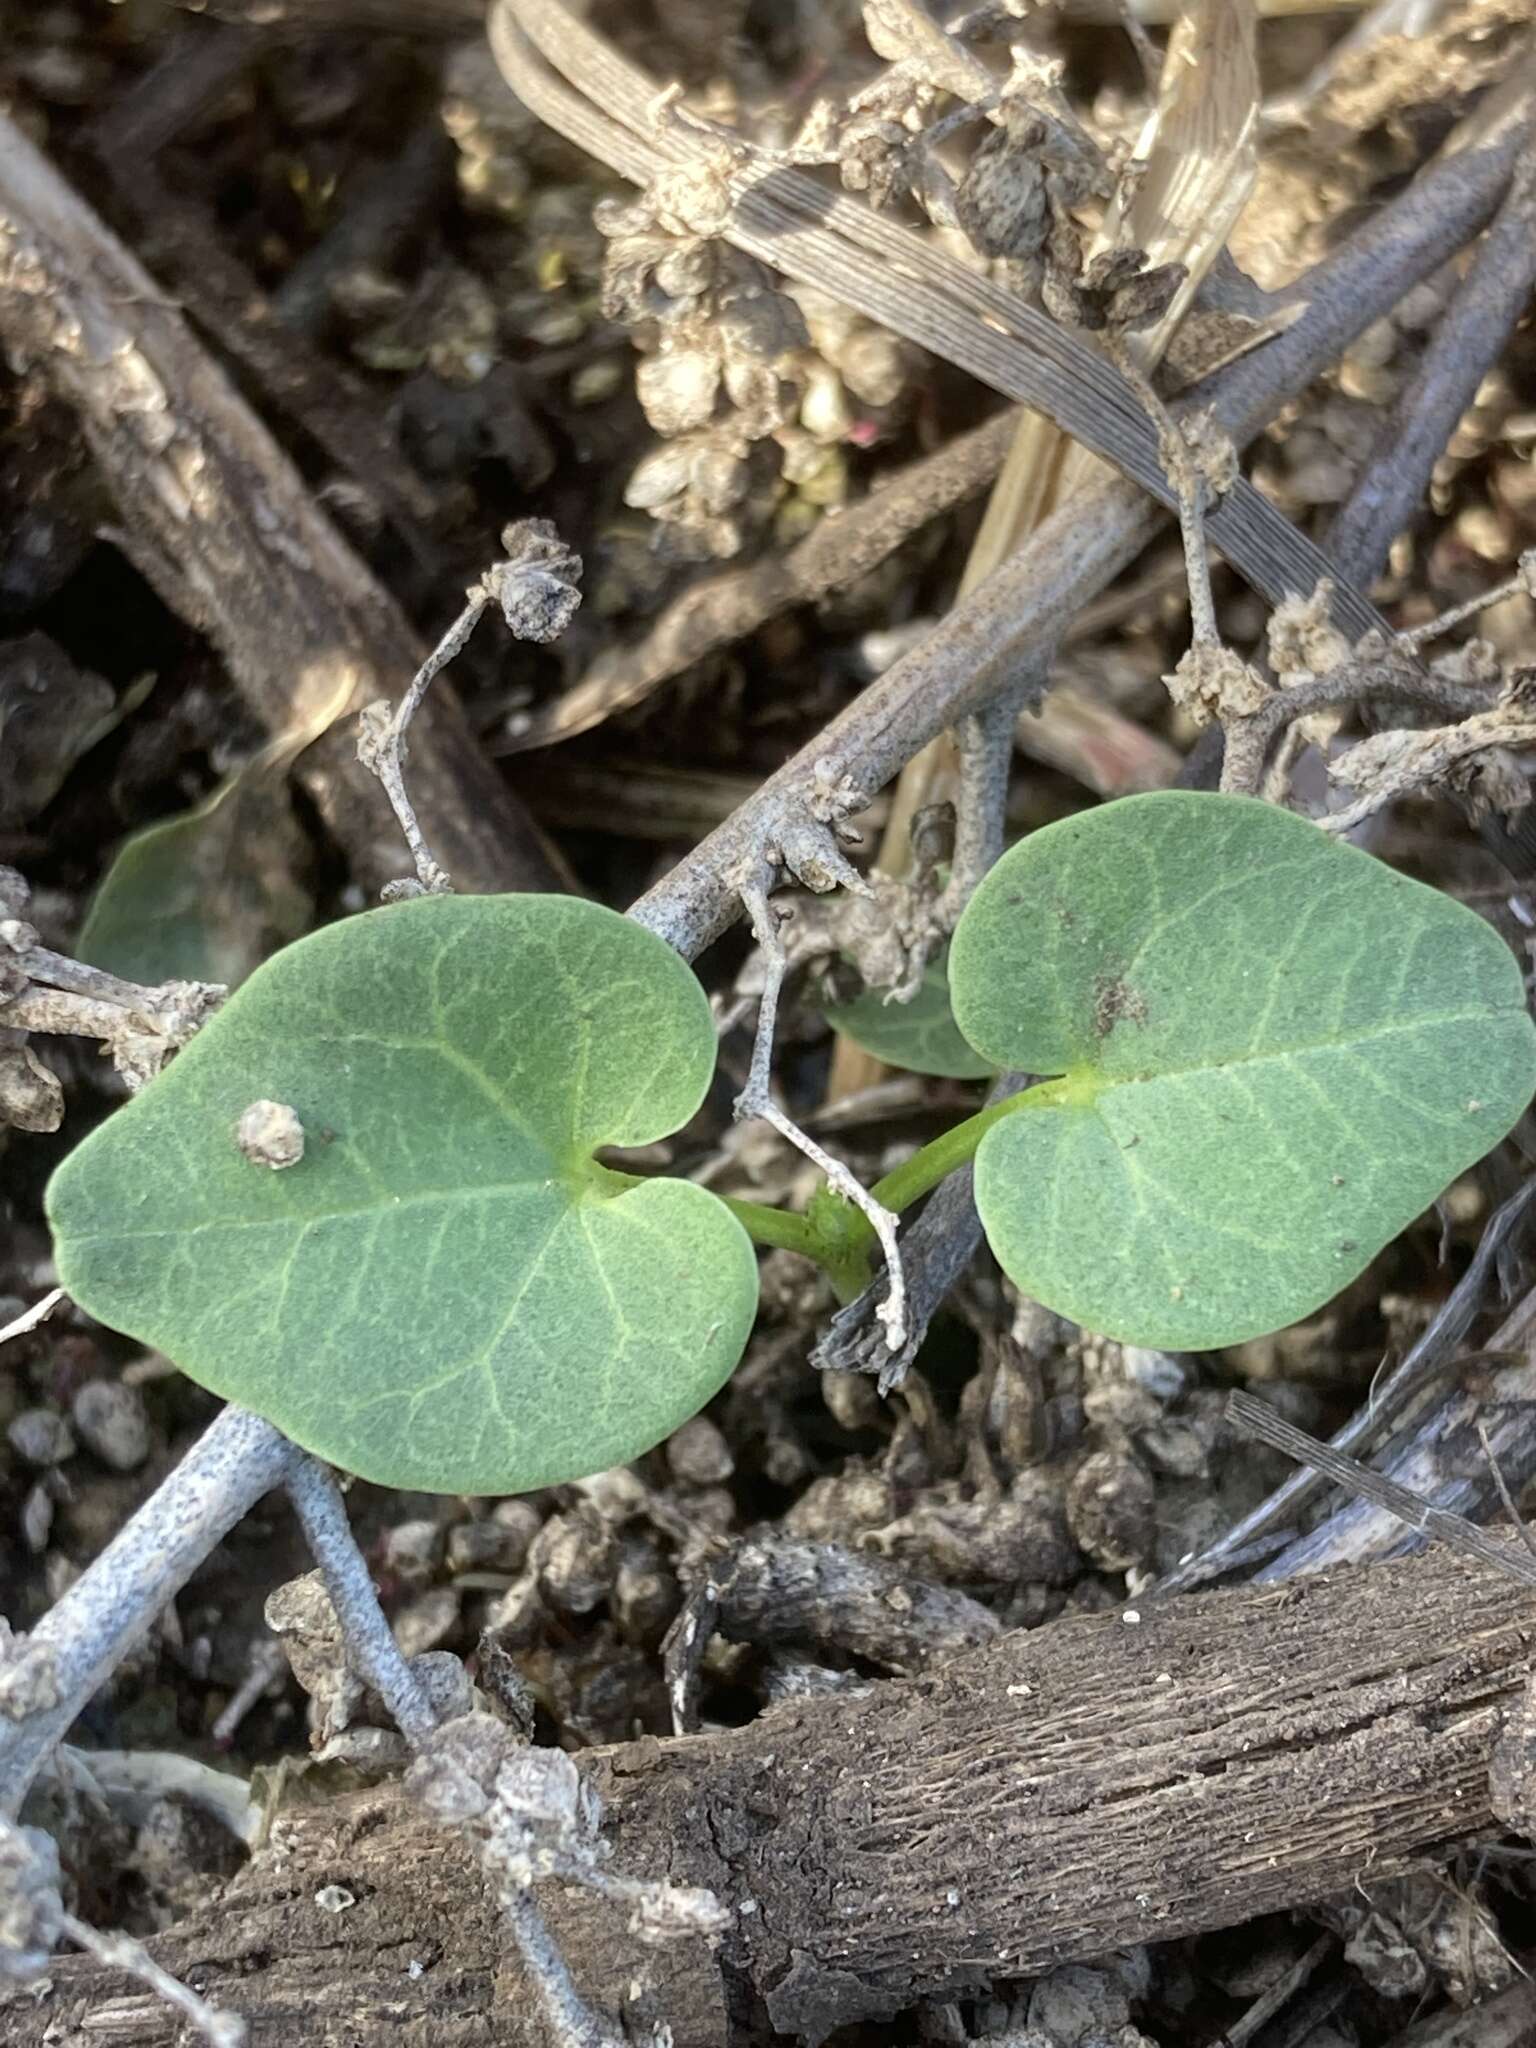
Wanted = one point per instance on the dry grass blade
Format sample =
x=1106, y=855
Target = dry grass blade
x=1199, y=152
x=1256, y=1419
x=893, y=277
x=1199, y=157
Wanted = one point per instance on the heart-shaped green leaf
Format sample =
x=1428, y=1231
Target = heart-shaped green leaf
x=921, y=1035
x=1274, y=1053
x=446, y=1292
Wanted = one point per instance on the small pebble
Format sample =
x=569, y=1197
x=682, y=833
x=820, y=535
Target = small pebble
x=412, y=1550
x=37, y=1518
x=492, y=1545
x=445, y=1682
x=41, y=1436
x=111, y=1421
x=427, y=1619
x=698, y=1454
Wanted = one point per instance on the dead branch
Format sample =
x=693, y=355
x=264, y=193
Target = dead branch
x=221, y=524
x=1022, y=609
x=1053, y=1795
x=1466, y=345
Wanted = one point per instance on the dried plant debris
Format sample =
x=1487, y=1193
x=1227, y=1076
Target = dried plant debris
x=600, y=377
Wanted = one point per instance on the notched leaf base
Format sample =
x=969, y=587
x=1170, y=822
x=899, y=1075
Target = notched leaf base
x=444, y=1293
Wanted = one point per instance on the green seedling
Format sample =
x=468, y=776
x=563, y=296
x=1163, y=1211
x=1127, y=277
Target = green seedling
x=1262, y=1052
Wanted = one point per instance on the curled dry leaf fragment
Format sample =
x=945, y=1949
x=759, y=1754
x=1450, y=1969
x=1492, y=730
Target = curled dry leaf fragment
x=270, y=1134
x=1214, y=682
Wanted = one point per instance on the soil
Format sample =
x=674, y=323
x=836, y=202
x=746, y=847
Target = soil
x=950, y=1749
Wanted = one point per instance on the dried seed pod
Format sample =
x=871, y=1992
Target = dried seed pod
x=763, y=395
x=1001, y=200
x=1115, y=292
x=537, y=585
x=754, y=318
x=677, y=388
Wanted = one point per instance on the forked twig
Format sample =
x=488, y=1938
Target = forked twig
x=536, y=588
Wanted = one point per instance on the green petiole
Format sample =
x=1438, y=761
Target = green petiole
x=836, y=1235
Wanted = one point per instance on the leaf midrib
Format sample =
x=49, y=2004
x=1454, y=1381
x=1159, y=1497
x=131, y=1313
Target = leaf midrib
x=1107, y=1081
x=390, y=1207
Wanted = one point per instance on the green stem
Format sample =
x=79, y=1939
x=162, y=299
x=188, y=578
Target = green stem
x=955, y=1147
x=843, y=1252
x=835, y=1235
x=782, y=1228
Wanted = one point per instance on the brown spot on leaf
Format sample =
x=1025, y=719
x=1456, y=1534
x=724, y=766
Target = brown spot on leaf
x=1115, y=1002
